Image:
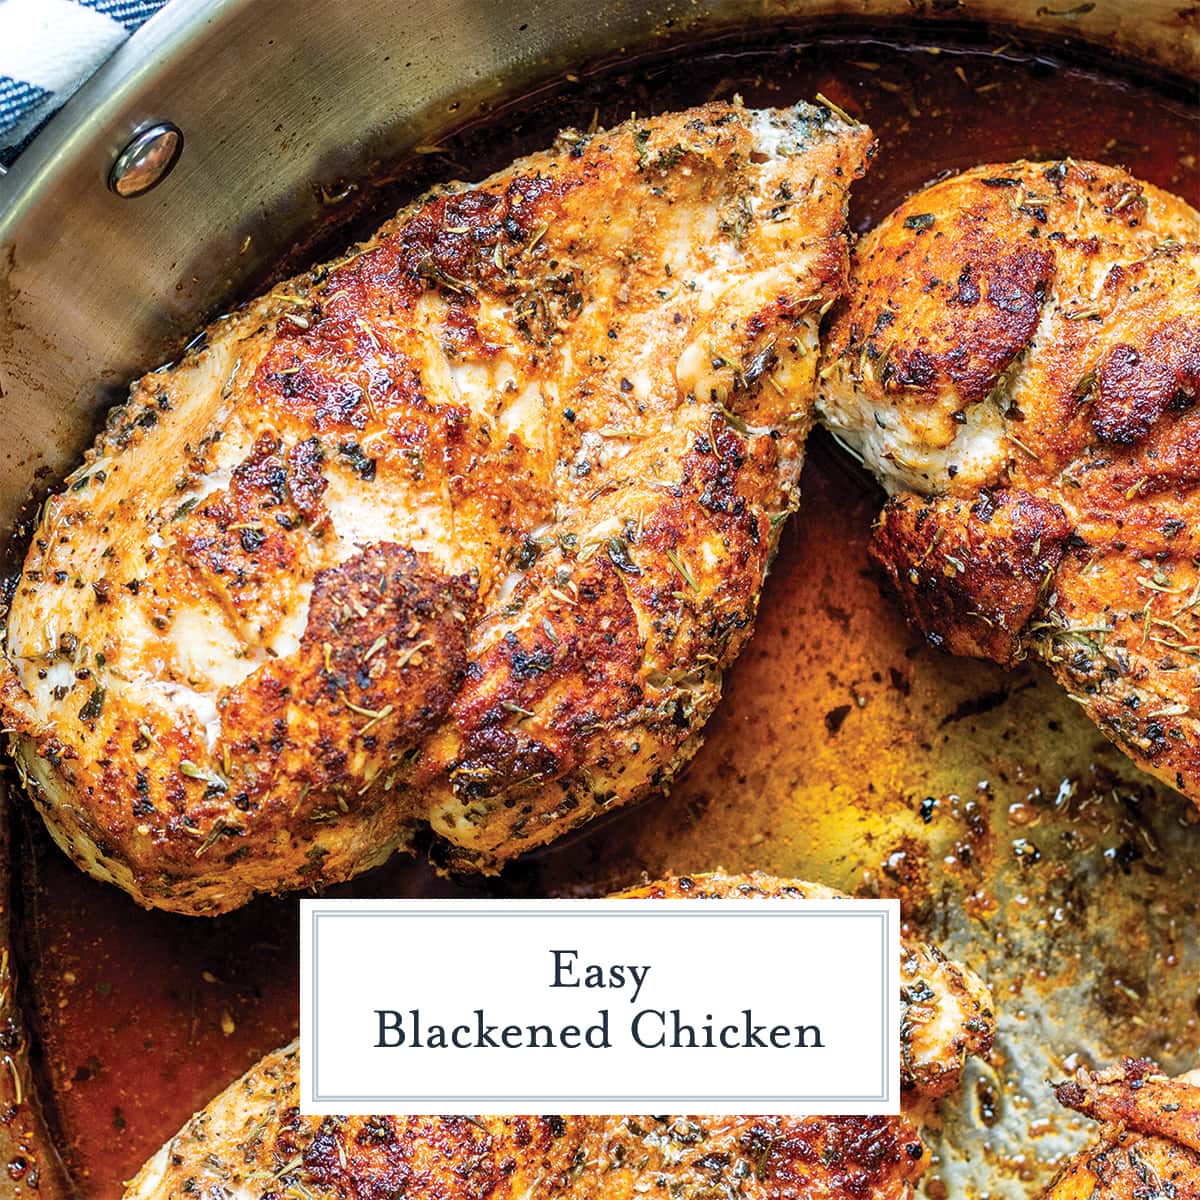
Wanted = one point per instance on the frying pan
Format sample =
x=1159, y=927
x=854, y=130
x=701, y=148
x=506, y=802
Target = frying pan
x=1015, y=835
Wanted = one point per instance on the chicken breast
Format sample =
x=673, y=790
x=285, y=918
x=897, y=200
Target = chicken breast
x=1149, y=1146
x=460, y=530
x=251, y=1143
x=1018, y=361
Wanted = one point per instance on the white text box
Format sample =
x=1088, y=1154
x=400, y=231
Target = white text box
x=600, y=1006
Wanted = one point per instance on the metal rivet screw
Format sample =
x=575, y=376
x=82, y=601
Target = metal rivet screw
x=146, y=161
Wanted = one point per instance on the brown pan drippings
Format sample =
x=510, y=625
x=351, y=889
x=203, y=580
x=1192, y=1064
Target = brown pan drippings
x=844, y=750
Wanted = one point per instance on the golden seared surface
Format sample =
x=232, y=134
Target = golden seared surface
x=461, y=529
x=1149, y=1145
x=252, y=1143
x=1019, y=362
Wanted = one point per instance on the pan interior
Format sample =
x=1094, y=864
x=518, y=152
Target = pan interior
x=844, y=751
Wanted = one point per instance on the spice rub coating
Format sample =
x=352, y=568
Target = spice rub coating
x=1149, y=1144
x=459, y=530
x=251, y=1142
x=1018, y=360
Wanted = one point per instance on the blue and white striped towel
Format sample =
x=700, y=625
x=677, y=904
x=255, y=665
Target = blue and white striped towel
x=48, y=48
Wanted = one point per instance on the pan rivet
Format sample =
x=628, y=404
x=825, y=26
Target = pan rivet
x=146, y=161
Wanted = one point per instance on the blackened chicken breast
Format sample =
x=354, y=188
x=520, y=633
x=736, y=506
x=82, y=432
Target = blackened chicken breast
x=251, y=1142
x=1149, y=1142
x=460, y=530
x=1018, y=361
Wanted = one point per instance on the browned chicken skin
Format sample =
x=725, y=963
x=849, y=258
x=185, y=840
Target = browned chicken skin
x=250, y=1143
x=460, y=530
x=1149, y=1146
x=1018, y=361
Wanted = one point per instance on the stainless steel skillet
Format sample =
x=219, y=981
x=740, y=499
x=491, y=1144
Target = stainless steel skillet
x=280, y=104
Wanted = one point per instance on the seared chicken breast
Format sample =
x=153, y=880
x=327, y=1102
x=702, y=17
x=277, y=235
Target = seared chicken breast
x=459, y=530
x=1018, y=361
x=251, y=1142
x=1149, y=1145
